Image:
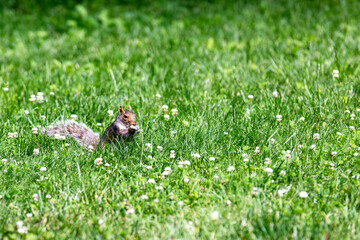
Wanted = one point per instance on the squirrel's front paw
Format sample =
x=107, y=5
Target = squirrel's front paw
x=134, y=128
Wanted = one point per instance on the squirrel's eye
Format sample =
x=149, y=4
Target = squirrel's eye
x=125, y=116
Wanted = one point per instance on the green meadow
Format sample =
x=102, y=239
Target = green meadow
x=249, y=116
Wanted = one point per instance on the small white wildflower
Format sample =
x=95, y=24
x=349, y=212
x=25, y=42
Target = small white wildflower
x=269, y=170
x=43, y=169
x=211, y=158
x=67, y=144
x=29, y=215
x=257, y=150
x=196, y=156
x=148, y=146
x=303, y=194
x=35, y=196
x=32, y=98
x=98, y=161
x=166, y=117
x=254, y=191
x=4, y=161
x=302, y=119
x=156, y=200
x=73, y=117
x=216, y=176
x=111, y=113
x=174, y=111
x=267, y=161
x=158, y=96
x=300, y=146
x=6, y=89
x=149, y=167
x=48, y=196
x=352, y=128
x=275, y=94
x=187, y=162
x=130, y=211
x=246, y=160
x=335, y=73
x=356, y=154
x=101, y=222
x=159, y=148
x=168, y=169
x=287, y=155
x=144, y=197
x=312, y=147
x=10, y=135
x=52, y=93
x=226, y=133
x=26, y=112
x=281, y=192
x=151, y=181
x=282, y=173
x=339, y=133
x=36, y=151
x=149, y=157
x=334, y=153
x=159, y=187
x=180, y=203
x=215, y=215
x=272, y=140
x=43, y=117
x=107, y=165
x=98, y=124
x=231, y=168
x=278, y=118
x=316, y=136
x=165, y=108
x=186, y=180
x=90, y=148
x=228, y=202
x=250, y=97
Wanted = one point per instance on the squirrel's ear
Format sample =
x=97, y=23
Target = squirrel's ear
x=129, y=108
x=121, y=110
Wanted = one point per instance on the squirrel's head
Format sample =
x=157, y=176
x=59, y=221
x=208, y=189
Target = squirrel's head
x=127, y=117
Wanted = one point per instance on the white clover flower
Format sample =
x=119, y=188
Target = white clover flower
x=151, y=181
x=180, y=166
x=73, y=117
x=187, y=162
x=149, y=167
x=228, y=202
x=90, y=148
x=156, y=200
x=303, y=194
x=35, y=196
x=165, y=173
x=98, y=124
x=43, y=117
x=98, y=161
x=282, y=173
x=281, y=192
x=231, y=168
x=19, y=224
x=269, y=170
x=101, y=222
x=35, y=130
x=250, y=97
x=159, y=148
x=211, y=158
x=287, y=155
x=148, y=146
x=215, y=215
x=180, y=203
x=130, y=211
x=4, y=161
x=312, y=147
x=29, y=215
x=302, y=119
x=356, y=154
x=352, y=115
x=196, y=156
x=52, y=93
x=275, y=94
x=159, y=188
x=48, y=196
x=316, y=136
x=165, y=108
x=158, y=96
x=216, y=176
x=111, y=113
x=335, y=73
x=246, y=160
x=168, y=169
x=300, y=146
x=339, y=133
x=144, y=197
x=36, y=151
x=226, y=133
x=6, y=89
x=278, y=118
x=333, y=154
x=150, y=157
x=10, y=135
x=107, y=165
x=186, y=180
x=267, y=161
x=245, y=155
x=43, y=169
x=257, y=150
x=26, y=112
x=174, y=111
x=347, y=111
x=352, y=128
x=15, y=134
x=272, y=140
x=254, y=191
x=166, y=117
x=32, y=98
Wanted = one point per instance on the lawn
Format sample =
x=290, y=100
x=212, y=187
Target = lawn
x=264, y=144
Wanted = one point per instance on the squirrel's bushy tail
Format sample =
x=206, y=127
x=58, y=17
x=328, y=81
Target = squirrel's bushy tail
x=78, y=131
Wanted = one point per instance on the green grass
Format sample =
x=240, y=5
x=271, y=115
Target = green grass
x=204, y=59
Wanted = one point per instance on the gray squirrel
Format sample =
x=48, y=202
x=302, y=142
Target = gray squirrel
x=124, y=127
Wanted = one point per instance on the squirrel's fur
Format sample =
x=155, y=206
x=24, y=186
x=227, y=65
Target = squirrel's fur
x=122, y=128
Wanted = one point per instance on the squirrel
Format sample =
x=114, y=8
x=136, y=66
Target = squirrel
x=124, y=127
